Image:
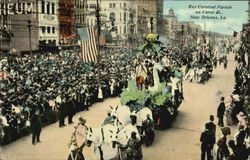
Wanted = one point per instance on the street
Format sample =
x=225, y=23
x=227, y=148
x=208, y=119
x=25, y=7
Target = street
x=181, y=142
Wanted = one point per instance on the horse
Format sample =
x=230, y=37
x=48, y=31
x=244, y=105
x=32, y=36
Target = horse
x=142, y=115
x=122, y=114
x=103, y=140
x=146, y=129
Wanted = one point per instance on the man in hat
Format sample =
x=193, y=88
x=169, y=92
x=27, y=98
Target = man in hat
x=220, y=112
x=212, y=128
x=36, y=127
x=207, y=142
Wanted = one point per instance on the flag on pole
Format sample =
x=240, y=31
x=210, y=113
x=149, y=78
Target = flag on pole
x=89, y=46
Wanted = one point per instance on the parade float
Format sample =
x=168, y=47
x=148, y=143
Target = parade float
x=155, y=84
x=149, y=102
x=201, y=68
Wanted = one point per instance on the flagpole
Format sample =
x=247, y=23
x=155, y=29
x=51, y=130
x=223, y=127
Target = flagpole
x=98, y=37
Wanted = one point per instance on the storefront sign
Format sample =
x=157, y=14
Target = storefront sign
x=16, y=8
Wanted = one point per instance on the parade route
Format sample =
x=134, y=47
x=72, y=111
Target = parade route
x=181, y=142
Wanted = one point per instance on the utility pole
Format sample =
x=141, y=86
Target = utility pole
x=98, y=37
x=151, y=24
x=196, y=32
x=29, y=27
x=182, y=36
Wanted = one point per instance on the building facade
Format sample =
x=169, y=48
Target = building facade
x=170, y=24
x=119, y=17
x=39, y=19
x=5, y=34
x=180, y=31
x=147, y=14
x=48, y=22
x=66, y=22
x=160, y=21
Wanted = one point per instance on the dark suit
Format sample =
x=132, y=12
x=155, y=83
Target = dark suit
x=36, y=127
x=220, y=113
x=207, y=142
x=212, y=129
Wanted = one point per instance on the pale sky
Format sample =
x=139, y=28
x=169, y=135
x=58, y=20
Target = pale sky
x=235, y=17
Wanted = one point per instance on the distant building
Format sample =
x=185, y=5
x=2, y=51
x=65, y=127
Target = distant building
x=5, y=34
x=5, y=40
x=48, y=21
x=147, y=9
x=170, y=24
x=44, y=23
x=176, y=30
x=80, y=15
x=67, y=22
x=71, y=17
x=159, y=17
x=117, y=16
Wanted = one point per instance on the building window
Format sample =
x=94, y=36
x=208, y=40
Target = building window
x=53, y=30
x=110, y=5
x=53, y=8
x=125, y=17
x=43, y=30
x=48, y=29
x=112, y=17
x=43, y=7
x=124, y=30
x=48, y=8
x=92, y=6
x=125, y=5
x=113, y=5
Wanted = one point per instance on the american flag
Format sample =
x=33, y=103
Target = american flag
x=89, y=45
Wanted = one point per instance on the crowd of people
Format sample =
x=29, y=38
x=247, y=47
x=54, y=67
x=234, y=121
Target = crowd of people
x=56, y=86
x=236, y=111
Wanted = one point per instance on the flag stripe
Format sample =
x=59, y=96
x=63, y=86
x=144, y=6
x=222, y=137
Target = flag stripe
x=89, y=47
x=93, y=43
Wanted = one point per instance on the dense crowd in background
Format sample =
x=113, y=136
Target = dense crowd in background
x=57, y=85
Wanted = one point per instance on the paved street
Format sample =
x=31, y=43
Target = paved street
x=181, y=142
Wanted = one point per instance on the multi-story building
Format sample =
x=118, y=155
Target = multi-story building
x=176, y=30
x=147, y=15
x=5, y=34
x=117, y=16
x=159, y=14
x=71, y=17
x=67, y=21
x=80, y=9
x=48, y=23
x=170, y=24
x=43, y=27
x=150, y=16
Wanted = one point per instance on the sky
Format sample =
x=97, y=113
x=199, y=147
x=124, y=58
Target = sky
x=235, y=17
